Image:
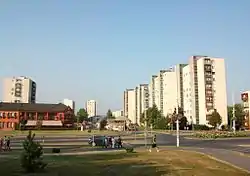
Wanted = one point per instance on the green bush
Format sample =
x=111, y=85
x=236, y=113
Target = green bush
x=129, y=150
x=201, y=127
x=31, y=157
x=56, y=150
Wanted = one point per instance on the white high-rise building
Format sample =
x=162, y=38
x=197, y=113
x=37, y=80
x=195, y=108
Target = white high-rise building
x=151, y=90
x=91, y=108
x=166, y=89
x=130, y=105
x=142, y=102
x=19, y=90
x=204, y=87
x=69, y=103
x=118, y=113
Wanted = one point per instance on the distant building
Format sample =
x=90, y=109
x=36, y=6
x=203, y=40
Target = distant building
x=48, y=115
x=91, y=108
x=130, y=105
x=246, y=101
x=69, y=103
x=118, y=113
x=19, y=90
x=142, y=102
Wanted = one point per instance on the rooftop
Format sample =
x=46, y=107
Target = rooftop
x=33, y=107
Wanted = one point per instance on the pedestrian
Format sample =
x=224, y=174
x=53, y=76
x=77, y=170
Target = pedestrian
x=8, y=144
x=1, y=144
x=110, y=141
x=154, y=145
x=106, y=142
x=119, y=141
x=113, y=142
x=4, y=143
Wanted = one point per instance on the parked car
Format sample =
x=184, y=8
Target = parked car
x=99, y=141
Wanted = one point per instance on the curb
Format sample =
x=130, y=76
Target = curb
x=83, y=153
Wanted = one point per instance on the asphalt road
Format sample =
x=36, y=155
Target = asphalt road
x=228, y=144
x=79, y=142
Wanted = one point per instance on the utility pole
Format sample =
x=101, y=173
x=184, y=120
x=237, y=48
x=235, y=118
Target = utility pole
x=177, y=129
x=177, y=111
x=233, y=113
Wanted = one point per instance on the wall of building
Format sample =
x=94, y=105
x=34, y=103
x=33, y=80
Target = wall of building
x=201, y=92
x=187, y=95
x=132, y=105
x=220, y=89
x=19, y=90
x=151, y=90
x=118, y=113
x=91, y=107
x=142, y=102
x=125, y=103
x=69, y=103
x=195, y=93
x=169, y=96
x=157, y=92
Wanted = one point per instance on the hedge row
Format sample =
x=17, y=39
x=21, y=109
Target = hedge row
x=219, y=134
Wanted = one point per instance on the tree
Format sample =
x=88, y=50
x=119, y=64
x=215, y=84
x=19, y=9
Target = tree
x=153, y=118
x=103, y=123
x=239, y=114
x=214, y=118
x=109, y=115
x=31, y=158
x=22, y=123
x=161, y=123
x=182, y=119
x=183, y=122
x=81, y=115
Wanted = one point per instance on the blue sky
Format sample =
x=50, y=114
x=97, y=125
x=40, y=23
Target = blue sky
x=95, y=49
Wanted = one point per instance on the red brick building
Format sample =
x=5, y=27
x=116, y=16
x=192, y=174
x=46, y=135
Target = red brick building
x=56, y=115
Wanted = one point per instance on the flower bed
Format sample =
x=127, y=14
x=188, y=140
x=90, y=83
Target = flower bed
x=219, y=134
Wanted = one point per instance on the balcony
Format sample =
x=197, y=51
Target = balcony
x=245, y=105
x=208, y=68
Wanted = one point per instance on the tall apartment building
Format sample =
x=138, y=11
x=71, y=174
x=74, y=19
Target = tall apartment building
x=130, y=104
x=125, y=103
x=142, y=101
x=166, y=89
x=19, y=90
x=69, y=103
x=246, y=101
x=151, y=89
x=91, y=108
x=204, y=89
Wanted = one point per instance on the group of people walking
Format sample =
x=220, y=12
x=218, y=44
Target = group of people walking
x=112, y=142
x=5, y=144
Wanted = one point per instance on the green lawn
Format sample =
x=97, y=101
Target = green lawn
x=172, y=162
